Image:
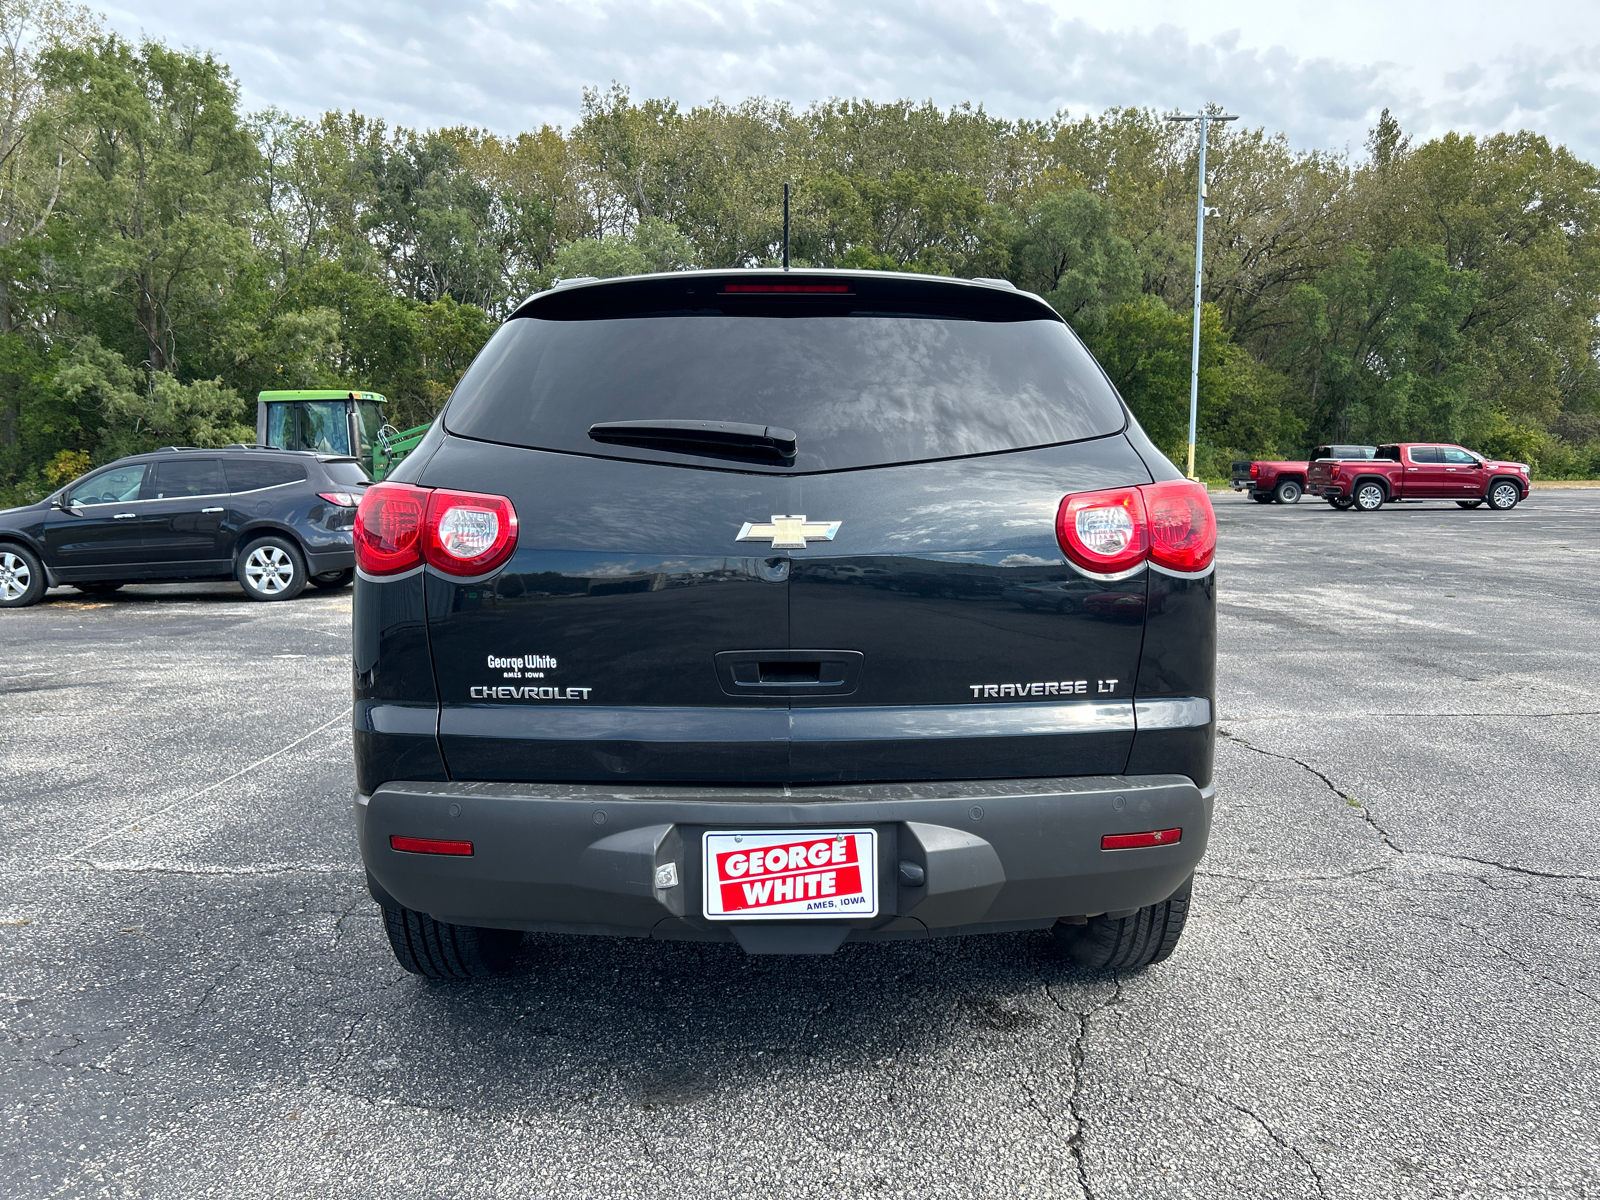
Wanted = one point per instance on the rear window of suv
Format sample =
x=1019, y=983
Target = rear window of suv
x=253, y=474
x=858, y=389
x=347, y=473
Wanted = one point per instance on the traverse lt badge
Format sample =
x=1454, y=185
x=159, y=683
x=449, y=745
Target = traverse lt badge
x=788, y=533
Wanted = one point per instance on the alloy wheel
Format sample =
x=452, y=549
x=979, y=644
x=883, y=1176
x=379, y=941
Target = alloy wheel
x=269, y=569
x=15, y=577
x=1369, y=498
x=1504, y=496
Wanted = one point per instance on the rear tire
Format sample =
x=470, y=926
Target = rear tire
x=97, y=589
x=22, y=580
x=1503, y=495
x=1288, y=492
x=1369, y=496
x=1468, y=503
x=271, y=569
x=437, y=950
x=1129, y=943
x=329, y=580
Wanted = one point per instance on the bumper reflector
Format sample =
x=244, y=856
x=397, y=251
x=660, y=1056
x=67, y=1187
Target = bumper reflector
x=413, y=845
x=1135, y=841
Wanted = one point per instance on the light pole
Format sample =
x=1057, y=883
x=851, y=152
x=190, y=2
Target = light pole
x=1211, y=112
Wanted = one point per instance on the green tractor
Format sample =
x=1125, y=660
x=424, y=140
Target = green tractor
x=336, y=421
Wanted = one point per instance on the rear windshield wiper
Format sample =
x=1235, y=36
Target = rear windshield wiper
x=720, y=439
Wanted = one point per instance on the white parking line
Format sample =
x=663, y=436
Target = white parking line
x=156, y=812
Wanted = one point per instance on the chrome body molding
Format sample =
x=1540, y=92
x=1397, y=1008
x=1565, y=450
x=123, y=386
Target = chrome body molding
x=888, y=723
x=958, y=720
x=1114, y=577
x=398, y=575
x=1190, y=712
x=1210, y=570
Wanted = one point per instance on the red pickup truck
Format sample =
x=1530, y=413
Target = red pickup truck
x=1419, y=471
x=1284, y=482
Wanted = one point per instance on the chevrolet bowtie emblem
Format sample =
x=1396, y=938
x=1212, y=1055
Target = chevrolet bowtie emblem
x=788, y=533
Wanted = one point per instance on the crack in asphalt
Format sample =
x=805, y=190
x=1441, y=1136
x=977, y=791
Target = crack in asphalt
x=1529, y=969
x=1349, y=800
x=1383, y=833
x=1277, y=1138
x=338, y=924
x=1075, y=1107
x=205, y=997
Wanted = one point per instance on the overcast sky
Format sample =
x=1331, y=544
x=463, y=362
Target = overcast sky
x=1319, y=73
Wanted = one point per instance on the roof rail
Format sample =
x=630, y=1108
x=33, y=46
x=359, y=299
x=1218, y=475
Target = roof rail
x=230, y=446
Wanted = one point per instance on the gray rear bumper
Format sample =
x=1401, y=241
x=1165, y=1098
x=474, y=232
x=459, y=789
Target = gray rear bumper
x=330, y=558
x=582, y=858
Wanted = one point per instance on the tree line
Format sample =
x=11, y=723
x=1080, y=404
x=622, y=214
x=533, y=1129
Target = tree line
x=164, y=256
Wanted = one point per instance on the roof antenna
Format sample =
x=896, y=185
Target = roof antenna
x=786, y=227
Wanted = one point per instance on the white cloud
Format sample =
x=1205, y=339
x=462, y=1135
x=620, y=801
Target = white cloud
x=1320, y=76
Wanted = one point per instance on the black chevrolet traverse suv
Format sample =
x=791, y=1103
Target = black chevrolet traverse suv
x=708, y=610
x=272, y=519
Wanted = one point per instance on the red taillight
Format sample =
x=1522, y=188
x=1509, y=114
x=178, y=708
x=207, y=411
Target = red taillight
x=837, y=289
x=342, y=499
x=1137, y=841
x=1255, y=470
x=413, y=845
x=1105, y=533
x=388, y=532
x=399, y=526
x=1183, y=527
x=468, y=534
x=1170, y=524
x=1333, y=472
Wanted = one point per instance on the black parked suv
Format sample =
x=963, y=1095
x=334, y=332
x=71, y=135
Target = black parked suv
x=702, y=613
x=272, y=519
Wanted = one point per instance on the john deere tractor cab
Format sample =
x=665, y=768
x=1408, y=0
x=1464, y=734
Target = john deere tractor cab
x=334, y=422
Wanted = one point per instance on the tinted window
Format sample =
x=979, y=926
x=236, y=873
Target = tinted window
x=280, y=426
x=185, y=477
x=1425, y=454
x=1388, y=453
x=857, y=390
x=371, y=414
x=345, y=472
x=318, y=425
x=1345, y=452
x=324, y=427
x=249, y=474
x=1459, y=458
x=116, y=486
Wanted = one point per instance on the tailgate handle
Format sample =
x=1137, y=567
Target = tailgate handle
x=789, y=672
x=797, y=672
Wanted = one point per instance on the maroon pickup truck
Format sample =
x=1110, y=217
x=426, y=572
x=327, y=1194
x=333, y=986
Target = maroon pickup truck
x=1284, y=482
x=1419, y=471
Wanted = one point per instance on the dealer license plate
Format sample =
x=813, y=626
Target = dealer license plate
x=810, y=873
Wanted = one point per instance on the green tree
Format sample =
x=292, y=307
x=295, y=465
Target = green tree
x=1069, y=252
x=33, y=165
x=138, y=412
x=1145, y=348
x=1380, y=340
x=154, y=216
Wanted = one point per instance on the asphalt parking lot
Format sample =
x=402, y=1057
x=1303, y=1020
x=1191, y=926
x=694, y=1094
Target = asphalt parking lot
x=1390, y=985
